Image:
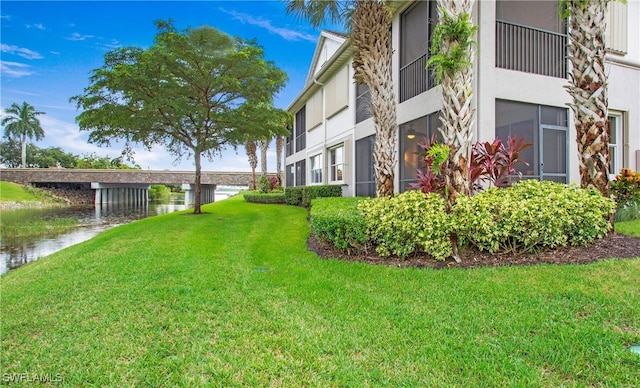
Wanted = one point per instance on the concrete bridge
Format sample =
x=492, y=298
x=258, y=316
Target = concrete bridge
x=126, y=185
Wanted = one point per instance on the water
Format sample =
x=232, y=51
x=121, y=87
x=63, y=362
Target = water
x=20, y=251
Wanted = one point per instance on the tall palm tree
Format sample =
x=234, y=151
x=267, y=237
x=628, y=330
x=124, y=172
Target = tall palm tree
x=370, y=23
x=250, y=148
x=264, y=147
x=588, y=89
x=451, y=58
x=22, y=123
x=279, y=147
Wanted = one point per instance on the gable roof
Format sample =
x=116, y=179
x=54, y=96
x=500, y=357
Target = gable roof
x=325, y=36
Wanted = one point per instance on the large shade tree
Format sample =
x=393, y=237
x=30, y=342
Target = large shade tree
x=188, y=92
x=370, y=24
x=21, y=122
x=588, y=88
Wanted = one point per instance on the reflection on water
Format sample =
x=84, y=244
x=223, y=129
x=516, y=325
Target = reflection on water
x=19, y=251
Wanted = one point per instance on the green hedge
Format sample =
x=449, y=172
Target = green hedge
x=303, y=195
x=259, y=197
x=339, y=221
x=528, y=216
x=409, y=222
x=531, y=215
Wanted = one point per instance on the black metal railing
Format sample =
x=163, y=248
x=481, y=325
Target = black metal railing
x=530, y=50
x=415, y=78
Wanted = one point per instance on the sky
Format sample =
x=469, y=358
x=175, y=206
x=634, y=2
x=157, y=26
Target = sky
x=49, y=48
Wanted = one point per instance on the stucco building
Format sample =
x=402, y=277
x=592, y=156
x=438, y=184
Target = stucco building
x=520, y=69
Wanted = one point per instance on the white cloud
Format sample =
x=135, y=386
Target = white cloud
x=14, y=69
x=54, y=52
x=19, y=51
x=5, y=17
x=76, y=37
x=287, y=34
x=38, y=26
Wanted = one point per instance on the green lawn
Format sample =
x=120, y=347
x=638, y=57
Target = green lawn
x=15, y=193
x=631, y=228
x=233, y=298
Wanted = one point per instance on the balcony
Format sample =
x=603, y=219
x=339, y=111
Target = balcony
x=415, y=79
x=530, y=50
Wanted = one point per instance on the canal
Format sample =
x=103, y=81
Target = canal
x=16, y=252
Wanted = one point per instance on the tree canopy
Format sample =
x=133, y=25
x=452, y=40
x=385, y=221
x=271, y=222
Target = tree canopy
x=194, y=92
x=21, y=123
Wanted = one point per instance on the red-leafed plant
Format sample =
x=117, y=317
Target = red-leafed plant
x=428, y=178
x=491, y=162
x=495, y=162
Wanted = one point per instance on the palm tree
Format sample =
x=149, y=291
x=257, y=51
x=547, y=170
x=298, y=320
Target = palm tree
x=22, y=123
x=264, y=147
x=250, y=148
x=370, y=22
x=451, y=58
x=279, y=147
x=588, y=88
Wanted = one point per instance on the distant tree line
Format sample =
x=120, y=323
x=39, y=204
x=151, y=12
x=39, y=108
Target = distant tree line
x=10, y=156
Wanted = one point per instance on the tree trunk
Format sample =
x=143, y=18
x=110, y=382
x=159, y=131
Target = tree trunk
x=371, y=38
x=250, y=148
x=197, y=190
x=264, y=147
x=588, y=88
x=24, y=150
x=457, y=114
x=279, y=147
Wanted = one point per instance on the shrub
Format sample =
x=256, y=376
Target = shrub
x=338, y=220
x=626, y=192
x=302, y=195
x=532, y=214
x=276, y=197
x=409, y=222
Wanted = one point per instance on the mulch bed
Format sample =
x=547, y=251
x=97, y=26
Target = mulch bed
x=613, y=246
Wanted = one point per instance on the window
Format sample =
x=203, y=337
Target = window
x=411, y=134
x=616, y=34
x=615, y=145
x=301, y=129
x=416, y=28
x=314, y=110
x=316, y=168
x=337, y=92
x=544, y=127
x=363, y=103
x=290, y=175
x=300, y=174
x=336, y=164
x=289, y=143
x=365, y=174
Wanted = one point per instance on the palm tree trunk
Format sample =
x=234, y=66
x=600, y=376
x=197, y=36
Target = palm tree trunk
x=250, y=148
x=24, y=150
x=457, y=113
x=371, y=38
x=264, y=147
x=588, y=88
x=279, y=147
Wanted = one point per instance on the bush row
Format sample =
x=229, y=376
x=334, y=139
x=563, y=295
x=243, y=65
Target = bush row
x=303, y=195
x=260, y=197
x=528, y=216
x=338, y=220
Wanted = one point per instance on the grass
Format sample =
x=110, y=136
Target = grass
x=10, y=191
x=233, y=298
x=631, y=228
x=37, y=227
